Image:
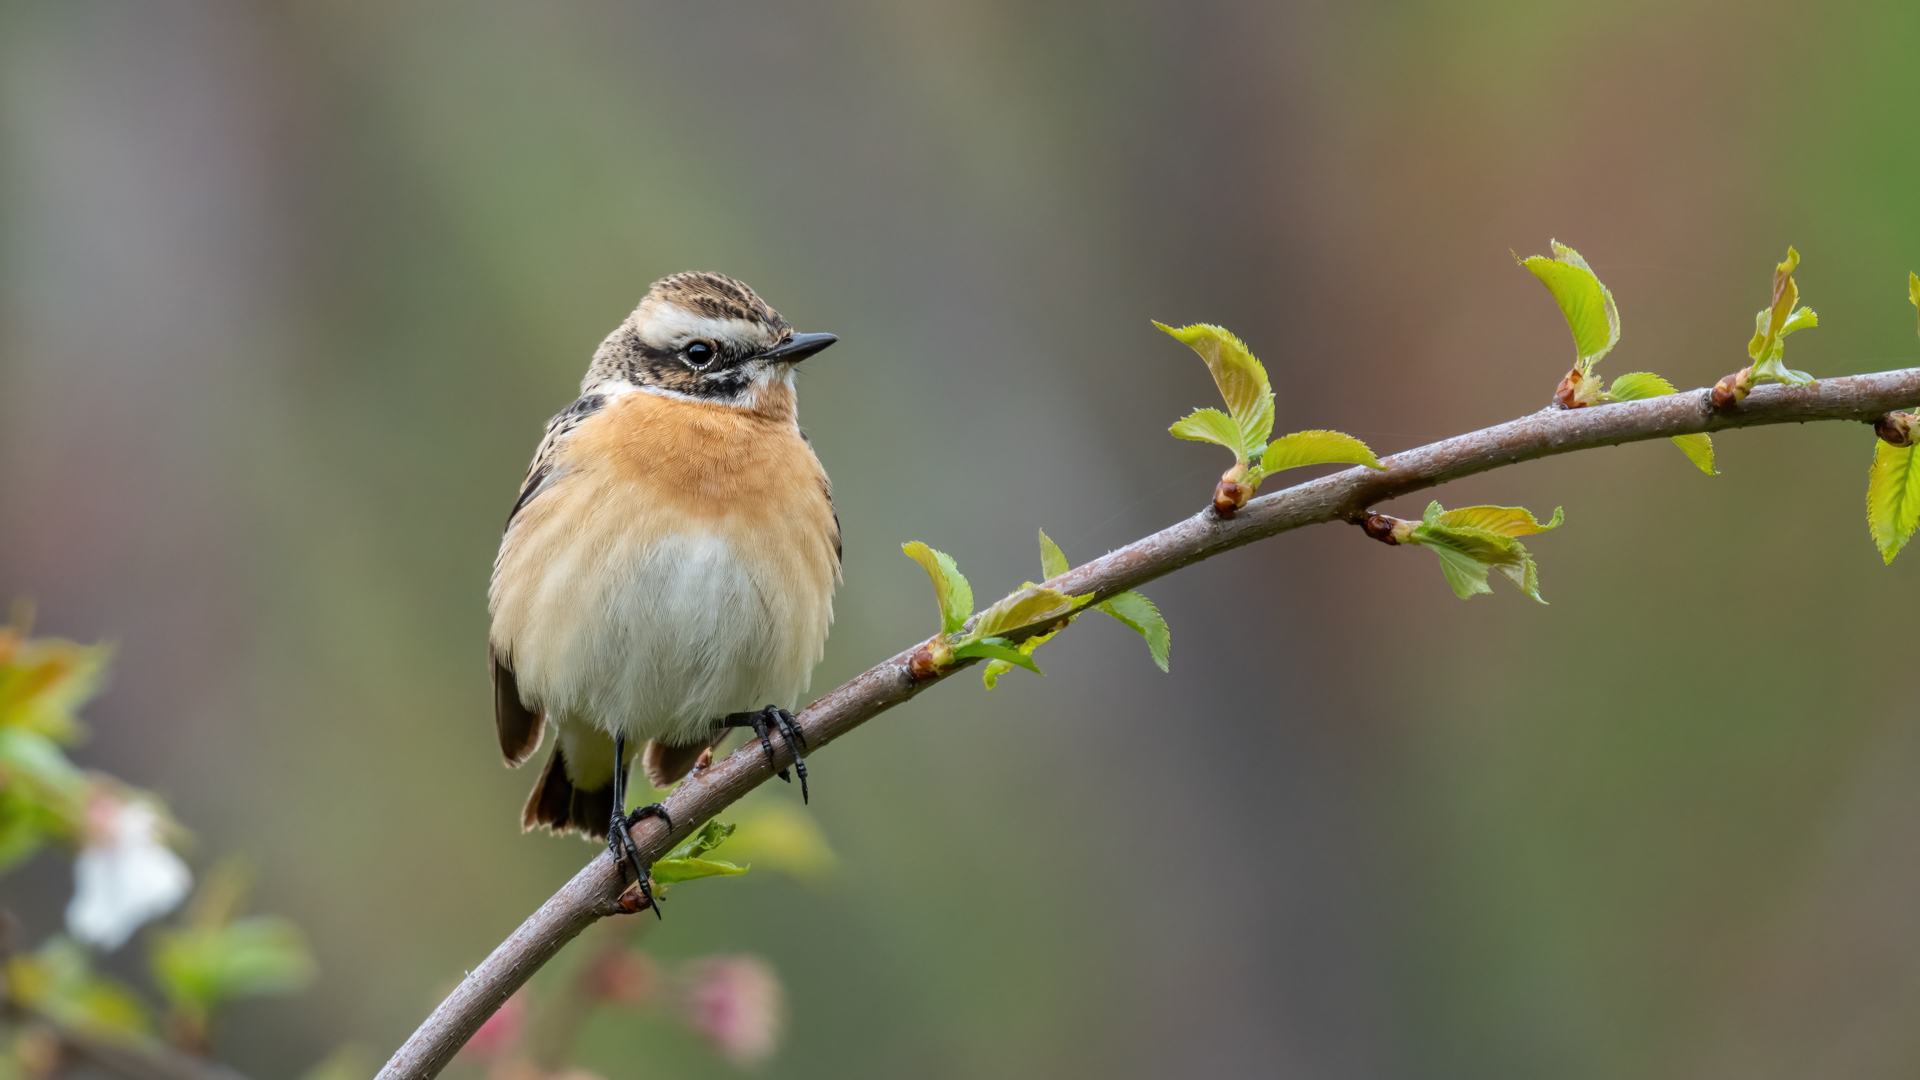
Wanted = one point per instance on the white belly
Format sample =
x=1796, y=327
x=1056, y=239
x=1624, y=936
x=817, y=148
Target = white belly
x=659, y=639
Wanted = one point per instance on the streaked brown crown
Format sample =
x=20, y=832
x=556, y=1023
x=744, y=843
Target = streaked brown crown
x=716, y=296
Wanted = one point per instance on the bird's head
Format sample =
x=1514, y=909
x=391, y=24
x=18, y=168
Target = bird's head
x=704, y=336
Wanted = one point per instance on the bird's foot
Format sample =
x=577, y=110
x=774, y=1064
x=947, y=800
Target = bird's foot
x=764, y=723
x=626, y=853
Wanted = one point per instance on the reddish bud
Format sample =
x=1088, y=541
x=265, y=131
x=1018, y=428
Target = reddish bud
x=1380, y=527
x=921, y=666
x=1731, y=390
x=1895, y=428
x=633, y=900
x=1229, y=496
x=1567, y=394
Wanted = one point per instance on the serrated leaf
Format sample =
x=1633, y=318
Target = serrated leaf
x=1212, y=426
x=1141, y=616
x=1053, y=561
x=1464, y=573
x=1028, y=606
x=1475, y=540
x=1775, y=321
x=1803, y=319
x=998, y=649
x=1638, y=386
x=1498, y=520
x=1699, y=450
x=1241, y=378
x=673, y=871
x=1585, y=303
x=687, y=861
x=1316, y=448
x=950, y=588
x=1893, y=497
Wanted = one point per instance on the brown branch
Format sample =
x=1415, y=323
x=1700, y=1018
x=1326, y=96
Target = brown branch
x=594, y=891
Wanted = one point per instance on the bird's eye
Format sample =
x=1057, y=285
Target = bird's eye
x=699, y=354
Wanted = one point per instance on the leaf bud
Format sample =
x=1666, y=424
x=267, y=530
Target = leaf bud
x=1385, y=528
x=1733, y=389
x=1895, y=428
x=1229, y=496
x=930, y=659
x=1568, y=394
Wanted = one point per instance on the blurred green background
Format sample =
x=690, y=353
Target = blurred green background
x=287, y=291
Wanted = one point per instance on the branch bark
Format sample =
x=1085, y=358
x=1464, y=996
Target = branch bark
x=594, y=891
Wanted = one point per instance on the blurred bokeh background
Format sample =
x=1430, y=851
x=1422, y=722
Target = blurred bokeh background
x=288, y=289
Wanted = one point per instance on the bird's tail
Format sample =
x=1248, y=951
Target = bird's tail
x=557, y=805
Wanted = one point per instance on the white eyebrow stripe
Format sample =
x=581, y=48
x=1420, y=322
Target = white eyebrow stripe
x=668, y=326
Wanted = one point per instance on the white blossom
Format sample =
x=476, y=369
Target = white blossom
x=125, y=876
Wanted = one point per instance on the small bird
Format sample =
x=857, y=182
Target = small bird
x=669, y=567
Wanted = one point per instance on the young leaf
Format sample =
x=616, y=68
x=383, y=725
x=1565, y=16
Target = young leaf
x=950, y=586
x=1138, y=614
x=1316, y=448
x=687, y=862
x=1774, y=322
x=1586, y=304
x=1214, y=426
x=1053, y=561
x=1499, y=520
x=1639, y=385
x=1003, y=650
x=1893, y=497
x=202, y=967
x=1029, y=606
x=1474, y=540
x=1241, y=378
x=1913, y=293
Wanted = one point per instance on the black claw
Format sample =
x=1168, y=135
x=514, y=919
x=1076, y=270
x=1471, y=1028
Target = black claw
x=764, y=723
x=626, y=853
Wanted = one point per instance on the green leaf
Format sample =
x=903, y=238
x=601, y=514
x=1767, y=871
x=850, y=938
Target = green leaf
x=58, y=981
x=1475, y=540
x=202, y=967
x=1775, y=321
x=1001, y=650
x=704, y=839
x=1316, y=448
x=673, y=871
x=1893, y=497
x=1140, y=615
x=950, y=586
x=1699, y=450
x=1464, y=573
x=1053, y=561
x=1913, y=294
x=686, y=861
x=1639, y=385
x=1213, y=426
x=1241, y=378
x=1029, y=606
x=1586, y=304
x=1499, y=520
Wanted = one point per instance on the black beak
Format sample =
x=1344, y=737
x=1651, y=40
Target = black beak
x=799, y=347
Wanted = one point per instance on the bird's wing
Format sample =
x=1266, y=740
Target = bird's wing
x=558, y=430
x=519, y=727
x=826, y=489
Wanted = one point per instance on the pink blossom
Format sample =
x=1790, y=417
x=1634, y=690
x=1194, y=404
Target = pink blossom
x=736, y=1004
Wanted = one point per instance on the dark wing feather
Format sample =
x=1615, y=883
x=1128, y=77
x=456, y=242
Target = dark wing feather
x=558, y=429
x=519, y=727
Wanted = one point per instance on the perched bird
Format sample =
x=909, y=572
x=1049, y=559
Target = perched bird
x=669, y=567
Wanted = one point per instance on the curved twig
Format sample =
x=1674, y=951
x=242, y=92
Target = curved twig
x=594, y=891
